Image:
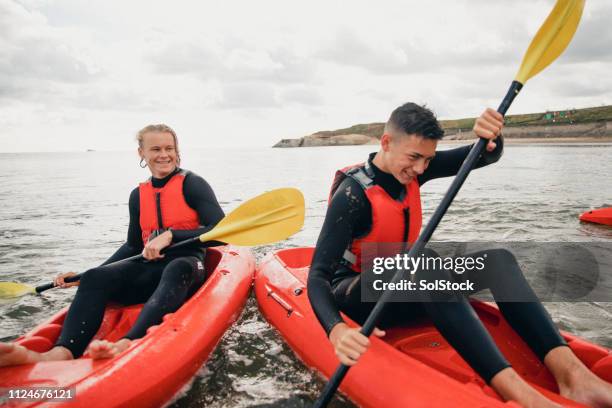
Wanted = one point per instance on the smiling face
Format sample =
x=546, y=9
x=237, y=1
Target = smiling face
x=159, y=151
x=405, y=156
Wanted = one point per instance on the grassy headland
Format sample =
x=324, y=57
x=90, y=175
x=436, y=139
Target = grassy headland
x=587, y=124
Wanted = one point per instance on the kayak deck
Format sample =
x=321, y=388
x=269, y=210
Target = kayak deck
x=412, y=365
x=155, y=367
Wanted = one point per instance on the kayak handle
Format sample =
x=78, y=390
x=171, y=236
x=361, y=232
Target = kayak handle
x=281, y=302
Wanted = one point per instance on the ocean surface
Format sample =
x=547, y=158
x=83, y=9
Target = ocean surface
x=68, y=212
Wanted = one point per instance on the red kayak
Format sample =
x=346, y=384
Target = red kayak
x=154, y=368
x=598, y=216
x=411, y=366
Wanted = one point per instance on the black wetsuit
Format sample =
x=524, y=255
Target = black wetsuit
x=164, y=284
x=334, y=287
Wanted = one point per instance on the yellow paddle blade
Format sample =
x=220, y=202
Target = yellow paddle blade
x=13, y=289
x=267, y=218
x=552, y=38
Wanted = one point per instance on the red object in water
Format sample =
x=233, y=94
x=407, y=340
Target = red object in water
x=411, y=366
x=153, y=369
x=598, y=216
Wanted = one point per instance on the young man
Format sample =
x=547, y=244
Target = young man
x=379, y=201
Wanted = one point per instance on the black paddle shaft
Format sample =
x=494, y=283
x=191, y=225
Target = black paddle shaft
x=467, y=166
x=138, y=257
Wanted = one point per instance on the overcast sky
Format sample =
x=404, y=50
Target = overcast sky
x=80, y=74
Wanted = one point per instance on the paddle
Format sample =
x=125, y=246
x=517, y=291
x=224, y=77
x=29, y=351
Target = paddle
x=549, y=42
x=267, y=218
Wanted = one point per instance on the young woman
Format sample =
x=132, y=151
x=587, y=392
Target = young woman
x=171, y=206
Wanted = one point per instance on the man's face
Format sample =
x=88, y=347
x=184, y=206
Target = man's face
x=407, y=156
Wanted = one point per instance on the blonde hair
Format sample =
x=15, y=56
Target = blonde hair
x=160, y=128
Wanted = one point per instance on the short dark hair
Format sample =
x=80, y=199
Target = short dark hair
x=411, y=118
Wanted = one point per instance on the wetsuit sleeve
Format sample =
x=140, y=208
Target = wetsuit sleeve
x=201, y=197
x=448, y=162
x=348, y=209
x=133, y=245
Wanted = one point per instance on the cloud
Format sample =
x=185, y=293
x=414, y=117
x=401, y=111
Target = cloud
x=593, y=39
x=412, y=54
x=184, y=57
x=78, y=71
x=9, y=90
x=38, y=60
x=378, y=94
x=31, y=49
x=583, y=87
x=572, y=82
x=247, y=74
x=301, y=95
x=251, y=95
x=352, y=48
x=229, y=60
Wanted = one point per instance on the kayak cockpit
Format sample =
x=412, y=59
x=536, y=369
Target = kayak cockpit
x=403, y=348
x=116, y=323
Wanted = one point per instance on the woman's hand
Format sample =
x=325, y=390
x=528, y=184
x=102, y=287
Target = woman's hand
x=59, y=280
x=349, y=343
x=152, y=250
x=489, y=126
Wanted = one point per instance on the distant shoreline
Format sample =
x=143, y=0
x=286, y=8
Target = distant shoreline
x=343, y=140
x=589, y=125
x=543, y=140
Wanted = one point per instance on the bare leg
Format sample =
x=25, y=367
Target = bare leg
x=576, y=381
x=99, y=349
x=14, y=354
x=512, y=387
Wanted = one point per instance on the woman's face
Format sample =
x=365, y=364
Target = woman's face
x=159, y=152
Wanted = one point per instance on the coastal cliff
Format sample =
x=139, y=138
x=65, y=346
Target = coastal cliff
x=590, y=124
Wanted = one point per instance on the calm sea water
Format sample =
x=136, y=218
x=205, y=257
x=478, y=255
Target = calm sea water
x=68, y=212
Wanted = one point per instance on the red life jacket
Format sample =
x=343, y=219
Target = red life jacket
x=162, y=208
x=388, y=215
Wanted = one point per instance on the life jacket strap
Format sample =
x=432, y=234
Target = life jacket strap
x=360, y=175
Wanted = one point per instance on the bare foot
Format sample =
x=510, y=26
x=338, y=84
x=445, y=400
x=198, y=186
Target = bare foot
x=512, y=387
x=533, y=399
x=587, y=388
x=100, y=349
x=576, y=381
x=13, y=354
